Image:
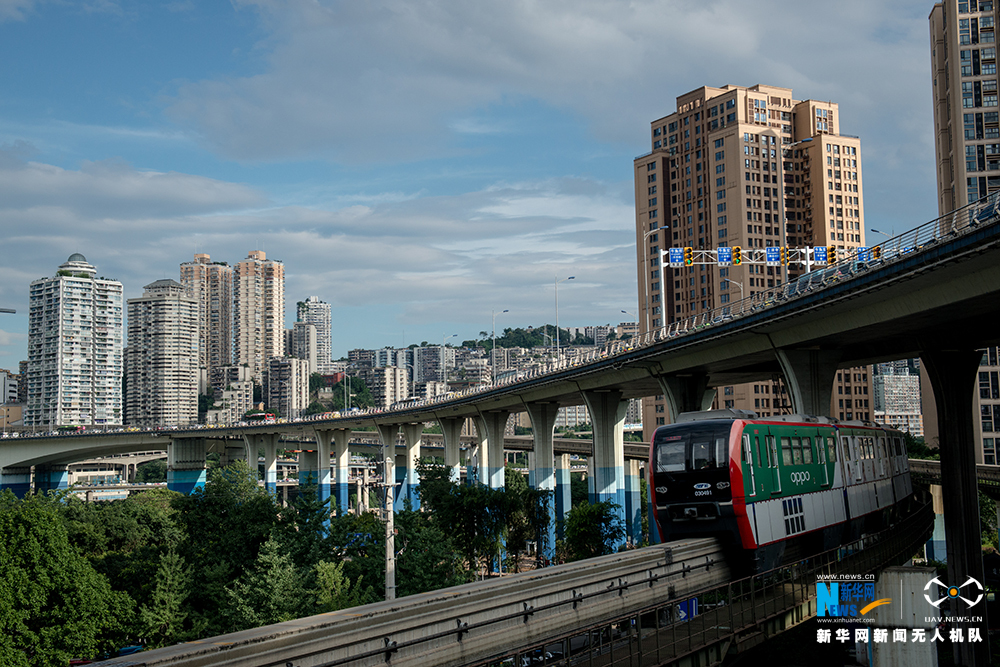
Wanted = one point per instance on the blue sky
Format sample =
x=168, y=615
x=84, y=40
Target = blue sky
x=416, y=164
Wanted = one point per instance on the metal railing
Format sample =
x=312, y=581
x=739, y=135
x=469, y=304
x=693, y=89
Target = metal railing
x=668, y=631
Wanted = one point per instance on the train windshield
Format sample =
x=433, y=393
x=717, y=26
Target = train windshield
x=692, y=447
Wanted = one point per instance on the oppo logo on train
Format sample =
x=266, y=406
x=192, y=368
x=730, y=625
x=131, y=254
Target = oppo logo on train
x=800, y=477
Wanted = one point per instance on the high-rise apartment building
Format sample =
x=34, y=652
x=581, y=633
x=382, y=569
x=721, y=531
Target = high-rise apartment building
x=287, y=386
x=967, y=150
x=317, y=313
x=748, y=167
x=387, y=385
x=259, y=307
x=8, y=386
x=211, y=285
x=162, y=359
x=74, y=348
x=303, y=344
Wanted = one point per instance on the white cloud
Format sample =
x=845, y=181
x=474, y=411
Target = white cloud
x=424, y=259
x=14, y=10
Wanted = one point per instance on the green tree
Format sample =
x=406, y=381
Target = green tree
x=593, y=529
x=528, y=516
x=227, y=520
x=163, y=616
x=333, y=590
x=271, y=592
x=152, y=471
x=315, y=408
x=53, y=605
x=426, y=560
x=302, y=528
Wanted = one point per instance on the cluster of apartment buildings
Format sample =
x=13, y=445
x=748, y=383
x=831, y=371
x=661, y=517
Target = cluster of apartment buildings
x=220, y=330
x=752, y=167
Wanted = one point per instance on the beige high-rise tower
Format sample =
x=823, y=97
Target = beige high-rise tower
x=750, y=167
x=211, y=285
x=162, y=362
x=967, y=150
x=259, y=311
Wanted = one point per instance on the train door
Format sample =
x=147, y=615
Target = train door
x=748, y=464
x=882, y=455
x=821, y=459
x=772, y=460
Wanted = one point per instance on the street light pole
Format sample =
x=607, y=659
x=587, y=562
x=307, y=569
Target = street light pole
x=493, y=349
x=645, y=277
x=556, y=283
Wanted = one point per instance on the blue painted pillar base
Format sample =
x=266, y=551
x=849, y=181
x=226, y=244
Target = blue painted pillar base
x=342, y=490
x=51, y=478
x=185, y=481
x=309, y=475
x=18, y=480
x=400, y=491
x=342, y=472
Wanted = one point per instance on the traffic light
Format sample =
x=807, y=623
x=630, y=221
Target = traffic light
x=737, y=255
x=688, y=256
x=784, y=255
x=831, y=254
x=877, y=252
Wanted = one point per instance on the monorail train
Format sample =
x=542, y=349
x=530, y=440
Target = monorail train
x=778, y=488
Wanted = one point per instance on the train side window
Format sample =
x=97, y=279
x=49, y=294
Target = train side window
x=831, y=449
x=797, y=451
x=747, y=455
x=786, y=451
x=844, y=440
x=761, y=453
x=807, y=450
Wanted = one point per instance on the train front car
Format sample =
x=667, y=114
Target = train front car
x=692, y=476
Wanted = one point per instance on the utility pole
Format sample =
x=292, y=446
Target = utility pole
x=7, y=310
x=388, y=480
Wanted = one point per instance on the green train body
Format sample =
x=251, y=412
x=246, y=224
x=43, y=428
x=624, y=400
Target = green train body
x=777, y=488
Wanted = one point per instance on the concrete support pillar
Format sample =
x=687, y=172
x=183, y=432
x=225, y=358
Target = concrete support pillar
x=324, y=437
x=411, y=481
x=451, y=428
x=51, y=477
x=809, y=376
x=953, y=375
x=389, y=435
x=564, y=497
x=633, y=502
x=309, y=465
x=543, y=420
x=342, y=462
x=185, y=464
x=269, y=443
x=17, y=479
x=491, y=426
x=607, y=414
x=236, y=451
x=686, y=393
